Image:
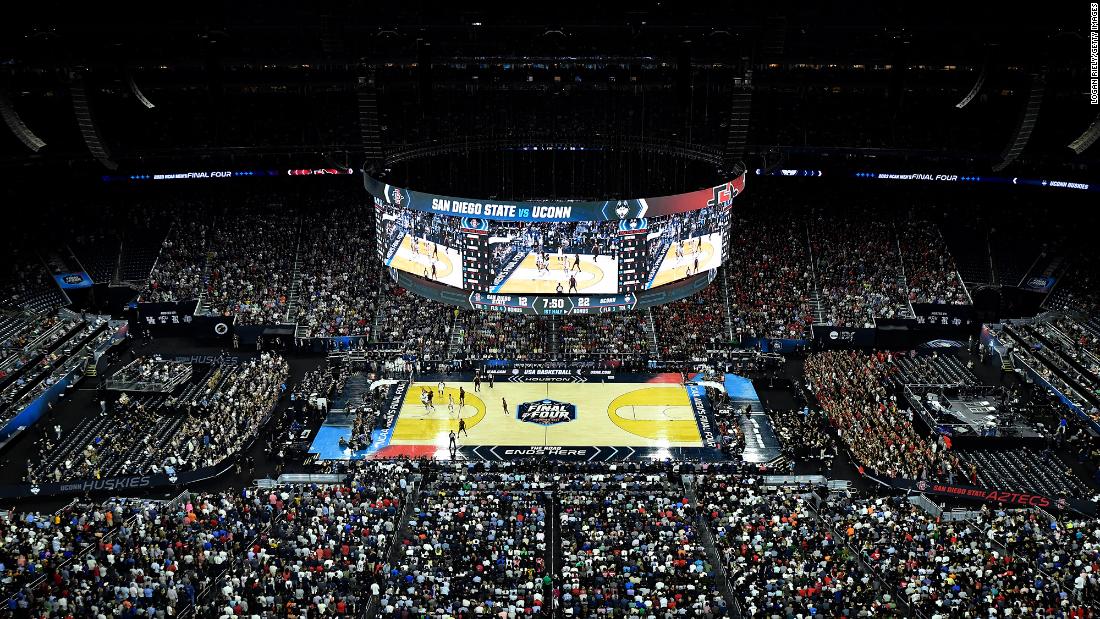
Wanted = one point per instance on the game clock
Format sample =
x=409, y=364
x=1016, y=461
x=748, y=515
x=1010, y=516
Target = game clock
x=553, y=305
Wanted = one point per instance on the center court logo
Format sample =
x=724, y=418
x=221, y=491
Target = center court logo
x=546, y=412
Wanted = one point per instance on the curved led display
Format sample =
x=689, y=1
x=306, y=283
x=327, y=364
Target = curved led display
x=610, y=247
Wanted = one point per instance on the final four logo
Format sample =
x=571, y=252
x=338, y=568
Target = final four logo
x=546, y=412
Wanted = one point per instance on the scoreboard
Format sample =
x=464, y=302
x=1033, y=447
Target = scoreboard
x=553, y=258
x=553, y=305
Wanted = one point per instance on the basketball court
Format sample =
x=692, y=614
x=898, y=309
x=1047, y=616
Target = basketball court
x=687, y=258
x=644, y=416
x=594, y=275
x=418, y=256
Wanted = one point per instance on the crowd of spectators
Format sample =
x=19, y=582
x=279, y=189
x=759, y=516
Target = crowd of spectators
x=34, y=544
x=210, y=421
x=251, y=258
x=768, y=273
x=423, y=327
x=994, y=565
x=692, y=326
x=475, y=547
x=150, y=559
x=178, y=274
x=325, y=551
x=630, y=551
x=614, y=335
x=850, y=387
x=858, y=269
x=781, y=560
x=235, y=263
x=423, y=539
x=497, y=335
x=930, y=271
x=338, y=290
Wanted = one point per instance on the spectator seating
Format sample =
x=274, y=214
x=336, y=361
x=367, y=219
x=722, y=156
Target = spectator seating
x=25, y=284
x=55, y=351
x=474, y=548
x=767, y=272
x=211, y=420
x=492, y=335
x=694, y=325
x=858, y=269
x=1011, y=470
x=780, y=558
x=613, y=335
x=935, y=369
x=930, y=271
x=421, y=326
x=976, y=573
x=338, y=291
x=634, y=552
x=851, y=388
x=326, y=546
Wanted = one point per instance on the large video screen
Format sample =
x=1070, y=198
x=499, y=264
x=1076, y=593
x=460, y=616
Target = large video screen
x=546, y=248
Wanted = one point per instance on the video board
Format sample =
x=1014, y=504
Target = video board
x=611, y=247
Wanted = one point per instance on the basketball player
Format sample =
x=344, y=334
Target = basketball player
x=559, y=289
x=696, y=264
x=435, y=251
x=433, y=270
x=477, y=382
x=679, y=249
x=462, y=428
x=572, y=283
x=576, y=262
x=451, y=403
x=504, y=405
x=461, y=397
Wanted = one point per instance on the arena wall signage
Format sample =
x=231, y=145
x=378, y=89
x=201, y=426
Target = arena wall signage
x=940, y=177
x=1013, y=498
x=111, y=484
x=190, y=175
x=939, y=315
x=843, y=337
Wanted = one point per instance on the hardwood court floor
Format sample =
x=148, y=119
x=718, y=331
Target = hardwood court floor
x=427, y=253
x=607, y=414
